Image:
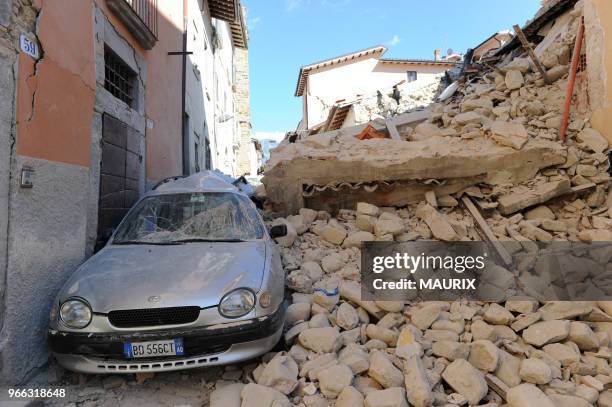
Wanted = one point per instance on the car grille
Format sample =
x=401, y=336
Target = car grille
x=131, y=318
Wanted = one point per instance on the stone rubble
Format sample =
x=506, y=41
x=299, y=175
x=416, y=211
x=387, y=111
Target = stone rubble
x=518, y=351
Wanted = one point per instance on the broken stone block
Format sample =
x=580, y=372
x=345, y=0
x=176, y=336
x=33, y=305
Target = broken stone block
x=565, y=309
x=482, y=330
x=522, y=305
x=527, y=395
x=498, y=315
x=299, y=281
x=383, y=371
x=333, y=234
x=226, y=394
x=417, y=384
x=564, y=400
x=466, y=380
x=508, y=369
x=386, y=335
x=451, y=350
x=320, y=340
x=484, y=355
x=514, y=79
x=321, y=140
x=356, y=239
x=440, y=227
x=542, y=333
x=468, y=117
x=309, y=215
x=554, y=225
x=447, y=201
x=556, y=73
x=565, y=354
x=583, y=336
x=331, y=263
x=256, y=395
x=515, y=202
x=427, y=129
x=317, y=363
x=391, y=306
x=297, y=312
x=298, y=223
x=430, y=198
x=347, y=317
x=540, y=212
x=333, y=379
x=519, y=64
x=524, y=320
x=364, y=208
x=423, y=317
x=312, y=270
x=535, y=371
x=365, y=222
x=595, y=235
x=391, y=397
x=280, y=373
x=350, y=397
x=388, y=227
x=354, y=357
x=509, y=134
x=593, y=140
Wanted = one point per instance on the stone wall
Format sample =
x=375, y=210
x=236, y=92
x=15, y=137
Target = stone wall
x=242, y=108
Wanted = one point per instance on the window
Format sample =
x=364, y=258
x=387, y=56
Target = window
x=119, y=78
x=412, y=76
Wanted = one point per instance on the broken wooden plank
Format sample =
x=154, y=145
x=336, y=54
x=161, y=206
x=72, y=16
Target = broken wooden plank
x=410, y=117
x=521, y=36
x=486, y=230
x=497, y=385
x=581, y=188
x=392, y=129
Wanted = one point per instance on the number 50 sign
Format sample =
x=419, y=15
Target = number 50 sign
x=29, y=47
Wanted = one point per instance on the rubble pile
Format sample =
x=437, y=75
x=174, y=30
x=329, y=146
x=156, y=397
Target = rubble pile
x=494, y=144
x=345, y=352
x=499, y=132
x=412, y=95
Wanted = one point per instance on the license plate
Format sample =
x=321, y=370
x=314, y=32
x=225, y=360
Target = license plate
x=170, y=347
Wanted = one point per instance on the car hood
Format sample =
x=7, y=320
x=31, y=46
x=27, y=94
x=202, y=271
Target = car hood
x=148, y=276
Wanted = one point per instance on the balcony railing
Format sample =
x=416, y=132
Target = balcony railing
x=140, y=17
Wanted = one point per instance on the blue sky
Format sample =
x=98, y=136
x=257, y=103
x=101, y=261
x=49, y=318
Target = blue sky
x=286, y=34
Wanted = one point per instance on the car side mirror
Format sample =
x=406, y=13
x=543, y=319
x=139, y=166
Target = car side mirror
x=278, y=231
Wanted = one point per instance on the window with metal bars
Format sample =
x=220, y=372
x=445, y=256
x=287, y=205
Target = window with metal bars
x=119, y=78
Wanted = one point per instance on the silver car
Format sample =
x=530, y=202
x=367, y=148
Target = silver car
x=190, y=278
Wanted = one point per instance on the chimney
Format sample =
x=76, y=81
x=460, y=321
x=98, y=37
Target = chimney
x=437, y=54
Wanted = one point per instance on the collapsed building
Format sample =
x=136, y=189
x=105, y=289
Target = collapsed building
x=499, y=129
x=496, y=159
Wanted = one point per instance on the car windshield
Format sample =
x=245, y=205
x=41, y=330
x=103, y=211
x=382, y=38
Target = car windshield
x=190, y=217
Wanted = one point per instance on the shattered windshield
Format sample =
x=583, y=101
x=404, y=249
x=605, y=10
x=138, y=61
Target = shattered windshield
x=181, y=218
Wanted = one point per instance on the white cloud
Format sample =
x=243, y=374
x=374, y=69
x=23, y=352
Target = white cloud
x=293, y=4
x=270, y=135
x=395, y=40
x=335, y=3
x=253, y=22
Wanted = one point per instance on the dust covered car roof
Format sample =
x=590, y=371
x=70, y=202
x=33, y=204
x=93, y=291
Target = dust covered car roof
x=204, y=181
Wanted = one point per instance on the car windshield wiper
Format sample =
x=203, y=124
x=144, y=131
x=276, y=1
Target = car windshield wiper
x=196, y=240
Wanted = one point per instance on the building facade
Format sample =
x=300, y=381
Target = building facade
x=324, y=84
x=99, y=105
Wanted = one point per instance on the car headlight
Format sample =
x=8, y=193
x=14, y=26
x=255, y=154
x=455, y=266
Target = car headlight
x=237, y=303
x=75, y=313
